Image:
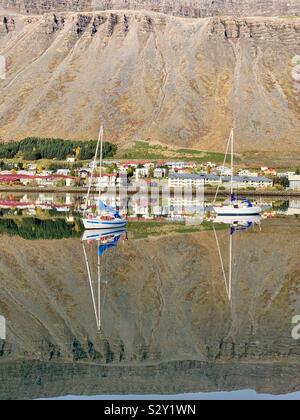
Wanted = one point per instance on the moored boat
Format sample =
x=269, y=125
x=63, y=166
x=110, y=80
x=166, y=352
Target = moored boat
x=236, y=207
x=105, y=216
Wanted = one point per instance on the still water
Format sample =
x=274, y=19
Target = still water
x=163, y=308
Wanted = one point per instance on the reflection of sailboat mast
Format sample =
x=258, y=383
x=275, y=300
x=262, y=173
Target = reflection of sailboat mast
x=236, y=225
x=105, y=240
x=99, y=289
x=230, y=267
x=97, y=315
x=228, y=283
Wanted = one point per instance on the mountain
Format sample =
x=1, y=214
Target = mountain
x=185, y=8
x=169, y=330
x=149, y=75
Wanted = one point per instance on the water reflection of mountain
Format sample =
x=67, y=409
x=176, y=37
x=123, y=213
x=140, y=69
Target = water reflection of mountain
x=167, y=326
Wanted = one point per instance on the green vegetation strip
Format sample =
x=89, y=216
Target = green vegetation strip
x=31, y=228
x=34, y=148
x=145, y=150
x=143, y=230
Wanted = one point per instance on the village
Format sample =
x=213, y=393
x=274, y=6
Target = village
x=175, y=174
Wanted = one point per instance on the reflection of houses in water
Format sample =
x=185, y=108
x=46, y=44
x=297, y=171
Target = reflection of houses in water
x=116, y=201
x=141, y=210
x=45, y=199
x=111, y=200
x=294, y=207
x=147, y=207
x=160, y=210
x=174, y=207
x=68, y=200
x=185, y=206
x=2, y=328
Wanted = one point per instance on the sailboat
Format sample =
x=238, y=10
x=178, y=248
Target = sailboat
x=106, y=216
x=236, y=207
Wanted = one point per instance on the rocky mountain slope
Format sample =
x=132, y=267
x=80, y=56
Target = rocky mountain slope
x=186, y=8
x=152, y=76
x=173, y=321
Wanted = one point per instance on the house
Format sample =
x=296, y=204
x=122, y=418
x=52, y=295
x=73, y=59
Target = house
x=45, y=181
x=211, y=165
x=175, y=166
x=93, y=164
x=258, y=182
x=135, y=164
x=70, y=181
x=45, y=173
x=210, y=179
x=181, y=167
x=106, y=180
x=159, y=172
x=268, y=171
x=285, y=174
x=28, y=172
x=31, y=167
x=294, y=181
x=7, y=173
x=186, y=180
x=64, y=172
x=246, y=172
x=223, y=170
x=84, y=172
x=141, y=173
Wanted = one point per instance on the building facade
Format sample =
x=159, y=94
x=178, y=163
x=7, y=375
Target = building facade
x=294, y=182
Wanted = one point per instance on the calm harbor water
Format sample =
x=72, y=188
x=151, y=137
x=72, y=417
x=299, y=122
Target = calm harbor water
x=163, y=308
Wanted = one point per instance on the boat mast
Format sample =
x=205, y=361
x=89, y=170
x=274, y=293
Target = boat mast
x=232, y=150
x=93, y=169
x=101, y=158
x=224, y=161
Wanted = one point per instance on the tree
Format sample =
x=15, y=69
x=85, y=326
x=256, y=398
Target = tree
x=151, y=172
x=35, y=148
x=130, y=172
x=112, y=168
x=282, y=181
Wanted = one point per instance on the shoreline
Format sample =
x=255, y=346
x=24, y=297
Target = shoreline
x=132, y=191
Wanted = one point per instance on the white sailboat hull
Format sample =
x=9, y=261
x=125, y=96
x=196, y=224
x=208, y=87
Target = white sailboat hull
x=240, y=211
x=103, y=224
x=96, y=234
x=238, y=219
